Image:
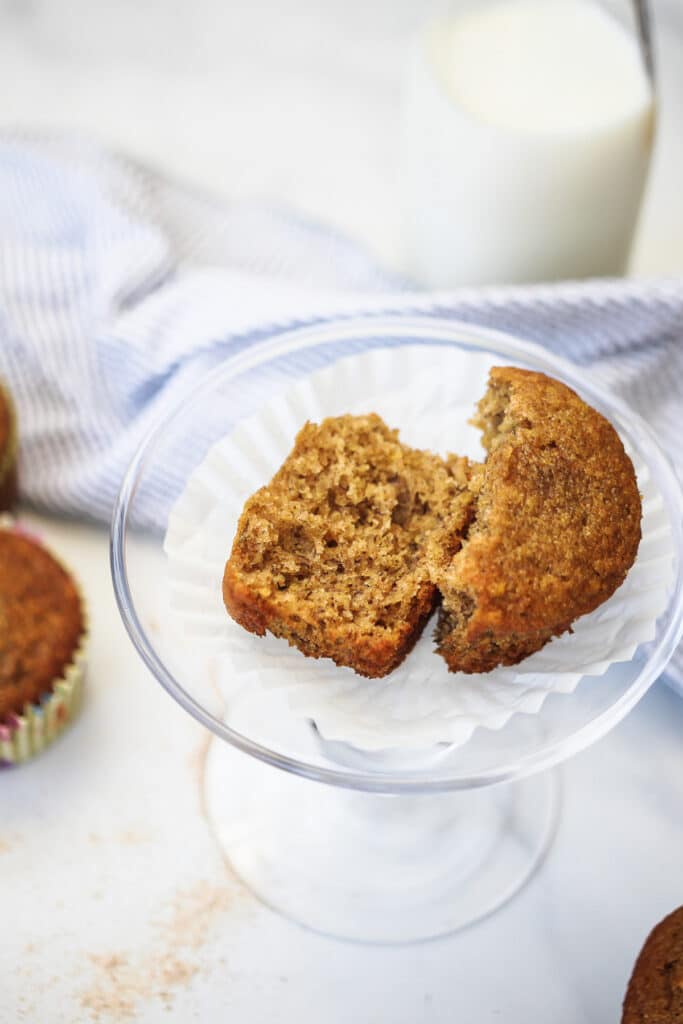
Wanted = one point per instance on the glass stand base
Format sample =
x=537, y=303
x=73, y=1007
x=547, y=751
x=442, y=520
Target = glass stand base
x=375, y=867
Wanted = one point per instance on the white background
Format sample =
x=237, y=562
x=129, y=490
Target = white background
x=296, y=100
x=117, y=906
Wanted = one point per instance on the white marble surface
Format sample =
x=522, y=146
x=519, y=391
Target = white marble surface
x=117, y=904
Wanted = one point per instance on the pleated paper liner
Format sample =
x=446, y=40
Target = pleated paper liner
x=420, y=703
x=24, y=735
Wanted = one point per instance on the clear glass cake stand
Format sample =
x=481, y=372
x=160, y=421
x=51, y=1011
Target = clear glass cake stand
x=398, y=845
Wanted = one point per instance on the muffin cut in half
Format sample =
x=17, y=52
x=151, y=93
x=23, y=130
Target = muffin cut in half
x=333, y=553
x=357, y=538
x=556, y=527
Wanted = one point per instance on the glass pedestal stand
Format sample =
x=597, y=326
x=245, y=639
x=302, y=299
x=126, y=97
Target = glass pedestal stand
x=387, y=847
x=376, y=867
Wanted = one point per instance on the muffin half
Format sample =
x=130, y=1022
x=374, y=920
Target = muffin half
x=555, y=530
x=332, y=553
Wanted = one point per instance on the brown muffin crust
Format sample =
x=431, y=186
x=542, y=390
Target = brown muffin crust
x=41, y=622
x=655, y=991
x=8, y=463
x=332, y=553
x=557, y=524
x=9, y=487
x=5, y=421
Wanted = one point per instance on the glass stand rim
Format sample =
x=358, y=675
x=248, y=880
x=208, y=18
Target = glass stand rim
x=395, y=330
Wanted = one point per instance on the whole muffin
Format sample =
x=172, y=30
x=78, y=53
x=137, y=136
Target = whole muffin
x=42, y=634
x=8, y=452
x=556, y=526
x=655, y=991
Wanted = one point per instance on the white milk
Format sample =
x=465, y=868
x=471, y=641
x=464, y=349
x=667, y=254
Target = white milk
x=527, y=136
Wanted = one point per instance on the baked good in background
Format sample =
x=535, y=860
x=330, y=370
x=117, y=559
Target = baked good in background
x=43, y=630
x=8, y=451
x=655, y=991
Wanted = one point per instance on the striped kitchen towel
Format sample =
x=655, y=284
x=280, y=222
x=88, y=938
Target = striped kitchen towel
x=119, y=289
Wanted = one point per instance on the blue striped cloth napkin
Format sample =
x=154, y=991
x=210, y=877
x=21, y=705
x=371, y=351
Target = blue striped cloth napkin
x=118, y=289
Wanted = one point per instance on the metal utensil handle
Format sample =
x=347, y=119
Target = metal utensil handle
x=644, y=21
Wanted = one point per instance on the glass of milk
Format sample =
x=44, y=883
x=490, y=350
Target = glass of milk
x=527, y=132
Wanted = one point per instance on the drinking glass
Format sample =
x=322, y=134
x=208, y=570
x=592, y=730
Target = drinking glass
x=526, y=138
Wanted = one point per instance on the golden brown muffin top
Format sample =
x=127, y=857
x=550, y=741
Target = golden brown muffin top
x=558, y=514
x=41, y=621
x=655, y=991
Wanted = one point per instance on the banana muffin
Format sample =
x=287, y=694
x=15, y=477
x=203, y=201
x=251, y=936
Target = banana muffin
x=8, y=452
x=655, y=991
x=358, y=537
x=332, y=553
x=555, y=530
x=42, y=631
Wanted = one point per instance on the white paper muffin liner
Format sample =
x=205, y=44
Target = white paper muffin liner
x=429, y=395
